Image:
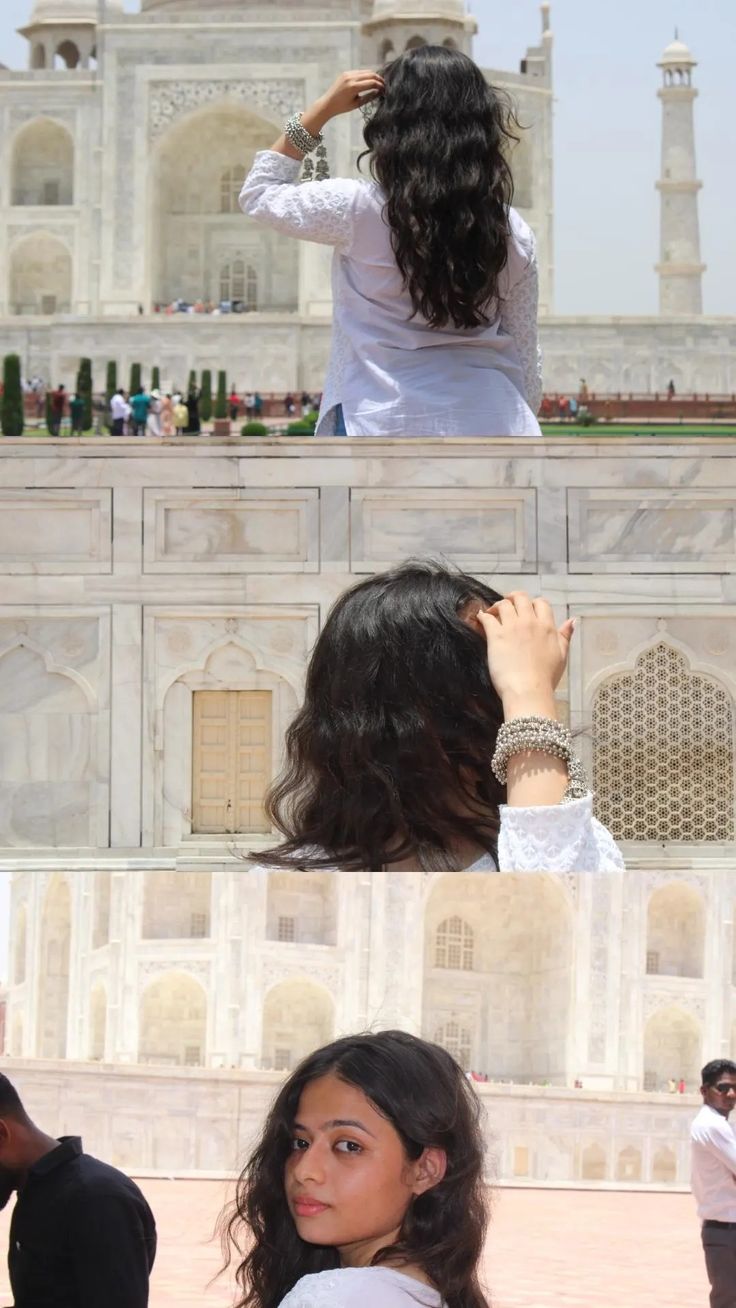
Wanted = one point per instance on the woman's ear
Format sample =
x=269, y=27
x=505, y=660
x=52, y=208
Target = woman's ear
x=429, y=1169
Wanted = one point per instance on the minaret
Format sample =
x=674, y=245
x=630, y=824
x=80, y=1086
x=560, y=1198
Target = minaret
x=680, y=269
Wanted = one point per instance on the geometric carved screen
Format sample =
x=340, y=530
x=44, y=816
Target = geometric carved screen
x=663, y=742
x=453, y=945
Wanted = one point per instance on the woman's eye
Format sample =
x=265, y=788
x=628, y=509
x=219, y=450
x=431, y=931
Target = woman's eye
x=349, y=1147
x=299, y=1143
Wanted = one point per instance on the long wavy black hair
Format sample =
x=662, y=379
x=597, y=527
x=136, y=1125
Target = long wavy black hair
x=438, y=141
x=389, y=755
x=420, y=1089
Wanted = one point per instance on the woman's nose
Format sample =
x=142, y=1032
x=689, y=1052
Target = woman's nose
x=309, y=1165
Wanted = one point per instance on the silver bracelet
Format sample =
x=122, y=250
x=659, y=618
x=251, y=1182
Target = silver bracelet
x=300, y=138
x=545, y=736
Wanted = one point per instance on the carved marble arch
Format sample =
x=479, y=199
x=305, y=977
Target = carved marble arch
x=673, y=1042
x=663, y=750
x=172, y=1021
x=415, y=42
x=517, y=996
x=386, y=51
x=40, y=275
x=298, y=1017
x=196, y=228
x=68, y=53
x=675, y=931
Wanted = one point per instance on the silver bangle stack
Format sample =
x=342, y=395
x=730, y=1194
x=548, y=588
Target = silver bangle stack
x=544, y=736
x=306, y=144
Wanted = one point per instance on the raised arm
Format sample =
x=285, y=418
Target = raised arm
x=320, y=211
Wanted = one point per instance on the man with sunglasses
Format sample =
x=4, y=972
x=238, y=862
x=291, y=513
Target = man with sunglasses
x=714, y=1178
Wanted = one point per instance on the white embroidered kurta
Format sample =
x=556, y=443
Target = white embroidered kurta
x=552, y=838
x=361, y=1287
x=394, y=374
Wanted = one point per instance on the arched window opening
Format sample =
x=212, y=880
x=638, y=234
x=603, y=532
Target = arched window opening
x=68, y=52
x=415, y=42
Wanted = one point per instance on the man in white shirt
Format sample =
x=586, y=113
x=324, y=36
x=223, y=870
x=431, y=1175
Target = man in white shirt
x=118, y=412
x=714, y=1178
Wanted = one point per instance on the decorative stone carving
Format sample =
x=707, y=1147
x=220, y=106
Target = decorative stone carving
x=662, y=997
x=199, y=970
x=172, y=100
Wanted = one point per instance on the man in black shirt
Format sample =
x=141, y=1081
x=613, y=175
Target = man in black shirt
x=81, y=1234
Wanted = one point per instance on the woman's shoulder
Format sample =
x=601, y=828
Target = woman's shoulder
x=360, y=1287
x=522, y=236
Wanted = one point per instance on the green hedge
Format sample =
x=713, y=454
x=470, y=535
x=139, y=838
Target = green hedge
x=84, y=391
x=205, y=399
x=11, y=414
x=221, y=405
x=254, y=429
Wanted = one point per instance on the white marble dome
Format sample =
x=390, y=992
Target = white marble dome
x=677, y=55
x=69, y=11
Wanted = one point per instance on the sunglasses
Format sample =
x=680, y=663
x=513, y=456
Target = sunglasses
x=723, y=1087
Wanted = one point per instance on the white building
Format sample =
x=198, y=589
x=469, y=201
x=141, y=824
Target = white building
x=125, y=142
x=151, y=592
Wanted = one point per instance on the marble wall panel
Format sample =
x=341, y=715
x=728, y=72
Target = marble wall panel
x=54, y=730
x=238, y=530
x=55, y=531
x=480, y=530
x=652, y=530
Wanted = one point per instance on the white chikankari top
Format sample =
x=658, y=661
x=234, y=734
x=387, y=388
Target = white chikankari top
x=553, y=838
x=361, y=1287
x=394, y=374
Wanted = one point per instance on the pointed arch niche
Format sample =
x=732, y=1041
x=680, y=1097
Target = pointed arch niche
x=49, y=765
x=229, y=667
x=196, y=227
x=663, y=752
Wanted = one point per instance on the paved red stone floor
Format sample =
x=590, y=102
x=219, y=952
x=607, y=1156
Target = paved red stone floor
x=547, y=1249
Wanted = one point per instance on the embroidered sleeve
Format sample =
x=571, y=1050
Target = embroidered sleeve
x=310, y=211
x=519, y=313
x=556, y=838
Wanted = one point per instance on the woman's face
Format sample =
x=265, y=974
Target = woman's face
x=348, y=1181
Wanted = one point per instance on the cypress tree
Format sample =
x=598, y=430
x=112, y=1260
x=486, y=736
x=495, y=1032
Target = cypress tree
x=192, y=384
x=49, y=415
x=135, y=378
x=205, y=400
x=111, y=385
x=84, y=391
x=12, y=416
x=156, y=379
x=221, y=409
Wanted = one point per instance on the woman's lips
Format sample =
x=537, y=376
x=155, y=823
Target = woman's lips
x=309, y=1207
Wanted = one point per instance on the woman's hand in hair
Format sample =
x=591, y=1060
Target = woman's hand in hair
x=351, y=91
x=527, y=653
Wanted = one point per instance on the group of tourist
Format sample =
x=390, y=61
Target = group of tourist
x=365, y=1189
x=154, y=414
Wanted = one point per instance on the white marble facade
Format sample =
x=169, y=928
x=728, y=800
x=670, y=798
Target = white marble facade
x=99, y=215
x=136, y=574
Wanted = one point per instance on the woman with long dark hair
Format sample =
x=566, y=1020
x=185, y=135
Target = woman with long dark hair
x=428, y=737
x=434, y=276
x=366, y=1187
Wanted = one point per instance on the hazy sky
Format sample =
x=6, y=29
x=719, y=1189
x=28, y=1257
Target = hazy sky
x=607, y=135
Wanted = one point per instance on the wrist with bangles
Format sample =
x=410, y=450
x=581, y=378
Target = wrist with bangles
x=539, y=735
x=303, y=141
